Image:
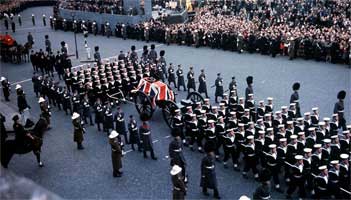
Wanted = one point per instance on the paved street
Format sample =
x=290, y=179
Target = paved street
x=88, y=174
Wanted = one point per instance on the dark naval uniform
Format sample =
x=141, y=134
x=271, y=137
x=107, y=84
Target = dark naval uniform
x=219, y=88
x=180, y=76
x=191, y=81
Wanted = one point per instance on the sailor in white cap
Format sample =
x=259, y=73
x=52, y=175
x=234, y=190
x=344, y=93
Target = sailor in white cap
x=269, y=106
x=307, y=164
x=272, y=165
x=315, y=116
x=297, y=178
x=6, y=88
x=179, y=187
x=345, y=141
x=344, y=173
x=321, y=183
x=78, y=130
x=116, y=153
x=250, y=157
x=45, y=110
x=291, y=150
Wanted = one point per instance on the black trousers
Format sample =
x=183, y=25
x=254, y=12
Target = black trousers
x=230, y=152
x=297, y=182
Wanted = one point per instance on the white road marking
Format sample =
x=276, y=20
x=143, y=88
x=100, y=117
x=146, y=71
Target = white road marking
x=130, y=150
x=154, y=141
x=168, y=136
x=82, y=65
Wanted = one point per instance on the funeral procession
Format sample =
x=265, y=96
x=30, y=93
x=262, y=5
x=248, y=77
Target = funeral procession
x=175, y=99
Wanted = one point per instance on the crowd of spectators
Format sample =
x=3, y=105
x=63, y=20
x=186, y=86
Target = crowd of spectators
x=100, y=6
x=16, y=6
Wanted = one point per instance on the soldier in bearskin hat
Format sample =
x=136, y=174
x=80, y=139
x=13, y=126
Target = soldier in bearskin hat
x=295, y=98
x=249, y=89
x=339, y=109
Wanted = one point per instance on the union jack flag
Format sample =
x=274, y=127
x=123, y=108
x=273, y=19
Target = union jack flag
x=157, y=90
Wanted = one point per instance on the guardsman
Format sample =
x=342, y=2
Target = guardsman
x=250, y=157
x=99, y=113
x=179, y=187
x=208, y=171
x=295, y=98
x=249, y=88
x=162, y=61
x=146, y=140
x=191, y=80
x=33, y=19
x=153, y=53
x=45, y=110
x=219, y=87
x=180, y=77
x=108, y=118
x=86, y=110
x=202, y=83
x=297, y=178
x=171, y=75
x=6, y=88
x=116, y=153
x=78, y=130
x=321, y=183
x=120, y=124
x=230, y=149
x=339, y=109
x=134, y=137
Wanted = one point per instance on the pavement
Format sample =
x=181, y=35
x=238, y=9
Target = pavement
x=74, y=174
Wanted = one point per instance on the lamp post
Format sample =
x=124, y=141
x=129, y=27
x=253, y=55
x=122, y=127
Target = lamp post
x=75, y=34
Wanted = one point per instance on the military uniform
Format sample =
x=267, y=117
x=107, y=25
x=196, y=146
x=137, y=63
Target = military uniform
x=180, y=76
x=202, y=84
x=146, y=140
x=116, y=154
x=99, y=114
x=134, y=137
x=191, y=80
x=78, y=131
x=208, y=175
x=219, y=87
x=120, y=125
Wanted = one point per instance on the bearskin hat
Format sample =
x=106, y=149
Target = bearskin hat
x=133, y=48
x=249, y=80
x=342, y=94
x=145, y=47
x=96, y=48
x=152, y=46
x=296, y=86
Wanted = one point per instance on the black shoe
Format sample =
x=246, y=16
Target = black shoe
x=154, y=158
x=145, y=157
x=206, y=193
x=217, y=197
x=279, y=190
x=245, y=176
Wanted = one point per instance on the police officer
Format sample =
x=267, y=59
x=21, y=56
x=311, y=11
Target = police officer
x=219, y=87
x=180, y=76
x=116, y=153
x=202, y=83
x=78, y=130
x=191, y=80
x=6, y=88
